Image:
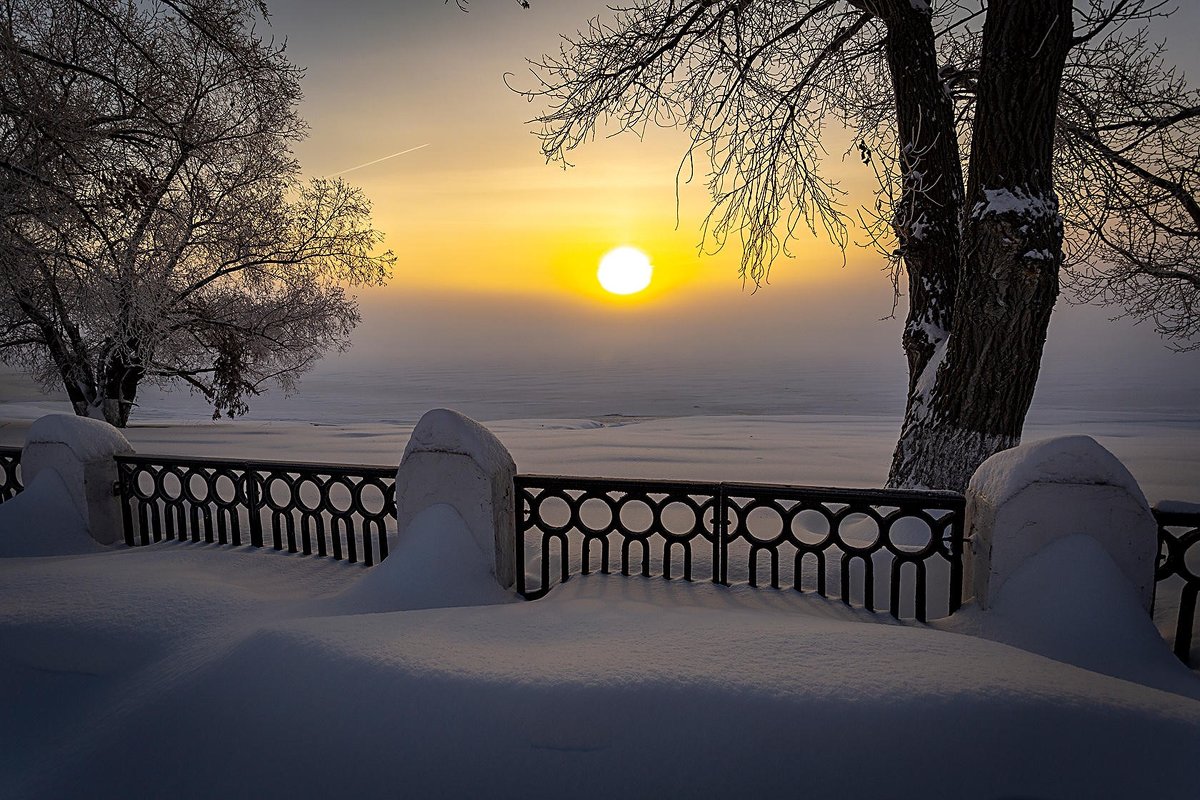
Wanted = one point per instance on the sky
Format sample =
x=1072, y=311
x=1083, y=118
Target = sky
x=498, y=249
x=479, y=210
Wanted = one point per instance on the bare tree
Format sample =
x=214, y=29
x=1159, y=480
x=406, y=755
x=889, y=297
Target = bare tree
x=1129, y=167
x=154, y=225
x=972, y=114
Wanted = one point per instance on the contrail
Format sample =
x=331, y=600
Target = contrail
x=385, y=158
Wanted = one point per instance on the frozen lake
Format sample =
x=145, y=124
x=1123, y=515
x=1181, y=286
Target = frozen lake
x=690, y=403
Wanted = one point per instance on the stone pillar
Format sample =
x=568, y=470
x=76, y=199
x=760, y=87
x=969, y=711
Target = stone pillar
x=454, y=460
x=1021, y=500
x=81, y=452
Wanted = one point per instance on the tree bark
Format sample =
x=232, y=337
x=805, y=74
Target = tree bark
x=926, y=220
x=971, y=401
x=122, y=373
x=72, y=366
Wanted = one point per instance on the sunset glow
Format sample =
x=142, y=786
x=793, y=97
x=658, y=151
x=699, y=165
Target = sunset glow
x=625, y=270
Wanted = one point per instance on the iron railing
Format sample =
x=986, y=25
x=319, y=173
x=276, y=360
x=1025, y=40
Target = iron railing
x=343, y=511
x=895, y=551
x=886, y=550
x=10, y=472
x=1178, y=574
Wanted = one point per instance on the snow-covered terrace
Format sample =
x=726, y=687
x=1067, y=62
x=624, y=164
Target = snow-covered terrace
x=194, y=670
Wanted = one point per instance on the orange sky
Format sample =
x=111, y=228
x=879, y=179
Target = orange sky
x=479, y=210
x=498, y=250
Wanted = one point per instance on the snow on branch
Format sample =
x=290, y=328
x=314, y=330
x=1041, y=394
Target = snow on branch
x=154, y=226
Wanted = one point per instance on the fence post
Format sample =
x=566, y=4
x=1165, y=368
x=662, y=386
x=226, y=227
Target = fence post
x=452, y=459
x=720, y=535
x=81, y=451
x=519, y=537
x=1021, y=500
x=254, y=501
x=1175, y=561
x=957, y=556
x=10, y=462
x=126, y=495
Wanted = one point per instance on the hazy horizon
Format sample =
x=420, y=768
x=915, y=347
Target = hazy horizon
x=725, y=356
x=497, y=250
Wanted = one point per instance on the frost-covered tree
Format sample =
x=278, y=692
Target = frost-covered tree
x=1011, y=138
x=153, y=223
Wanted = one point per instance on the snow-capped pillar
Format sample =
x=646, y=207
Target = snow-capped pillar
x=81, y=451
x=1021, y=500
x=454, y=460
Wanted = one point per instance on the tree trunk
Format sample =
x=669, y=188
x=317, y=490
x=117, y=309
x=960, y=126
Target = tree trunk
x=971, y=399
x=72, y=365
x=926, y=219
x=122, y=373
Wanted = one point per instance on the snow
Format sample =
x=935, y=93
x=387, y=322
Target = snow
x=608, y=686
x=918, y=229
x=436, y=563
x=1177, y=507
x=1015, y=200
x=37, y=523
x=443, y=430
x=453, y=460
x=1071, y=602
x=1163, y=451
x=922, y=391
x=88, y=439
x=81, y=452
x=1023, y=499
x=1063, y=460
x=194, y=670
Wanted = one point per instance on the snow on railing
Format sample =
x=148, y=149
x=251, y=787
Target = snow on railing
x=887, y=550
x=343, y=511
x=10, y=472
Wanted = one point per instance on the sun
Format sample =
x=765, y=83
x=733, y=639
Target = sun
x=625, y=270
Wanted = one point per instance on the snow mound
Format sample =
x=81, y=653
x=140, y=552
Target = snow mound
x=1063, y=459
x=87, y=639
x=38, y=523
x=632, y=698
x=1072, y=603
x=1022, y=499
x=435, y=564
x=442, y=430
x=88, y=439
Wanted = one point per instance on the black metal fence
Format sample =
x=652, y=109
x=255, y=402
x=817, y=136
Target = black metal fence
x=895, y=551
x=1177, y=579
x=10, y=472
x=343, y=511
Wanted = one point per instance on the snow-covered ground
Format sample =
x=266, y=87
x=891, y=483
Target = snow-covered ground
x=815, y=449
x=183, y=670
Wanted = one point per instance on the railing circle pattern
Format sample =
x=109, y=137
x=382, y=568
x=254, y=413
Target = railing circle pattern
x=10, y=472
x=339, y=511
x=1179, y=562
x=747, y=532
